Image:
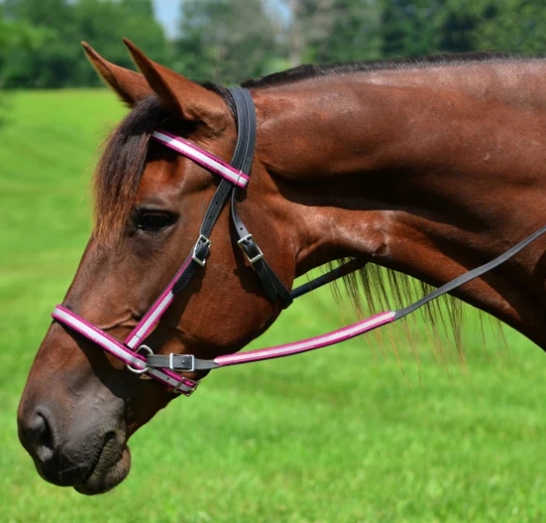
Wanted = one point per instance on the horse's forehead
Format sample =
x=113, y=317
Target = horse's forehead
x=163, y=169
x=159, y=187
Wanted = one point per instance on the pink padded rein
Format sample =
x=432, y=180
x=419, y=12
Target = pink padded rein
x=317, y=342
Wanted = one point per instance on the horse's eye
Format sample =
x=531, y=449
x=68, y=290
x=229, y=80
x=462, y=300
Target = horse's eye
x=153, y=221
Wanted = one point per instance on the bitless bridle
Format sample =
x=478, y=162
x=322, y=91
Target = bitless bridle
x=235, y=176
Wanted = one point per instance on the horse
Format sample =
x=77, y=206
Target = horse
x=427, y=167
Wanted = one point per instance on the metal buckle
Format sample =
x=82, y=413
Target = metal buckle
x=205, y=241
x=244, y=241
x=177, y=390
x=146, y=368
x=191, y=357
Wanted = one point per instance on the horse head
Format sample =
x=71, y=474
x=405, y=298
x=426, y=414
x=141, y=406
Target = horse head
x=425, y=168
x=80, y=406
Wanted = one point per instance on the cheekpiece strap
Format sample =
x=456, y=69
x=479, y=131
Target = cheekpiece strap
x=246, y=130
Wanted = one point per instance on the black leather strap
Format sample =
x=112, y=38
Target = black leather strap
x=474, y=273
x=348, y=267
x=246, y=127
x=201, y=249
x=272, y=284
x=242, y=157
x=241, y=160
x=180, y=362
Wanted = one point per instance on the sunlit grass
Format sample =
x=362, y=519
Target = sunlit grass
x=354, y=433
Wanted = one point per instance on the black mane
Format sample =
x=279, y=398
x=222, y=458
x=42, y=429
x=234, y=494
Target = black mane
x=308, y=71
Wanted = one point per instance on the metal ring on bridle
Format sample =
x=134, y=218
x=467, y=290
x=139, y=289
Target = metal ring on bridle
x=144, y=348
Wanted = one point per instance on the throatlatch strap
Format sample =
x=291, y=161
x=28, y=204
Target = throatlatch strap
x=242, y=159
x=272, y=284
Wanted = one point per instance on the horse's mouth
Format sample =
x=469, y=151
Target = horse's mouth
x=109, y=470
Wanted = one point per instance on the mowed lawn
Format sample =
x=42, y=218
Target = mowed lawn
x=357, y=433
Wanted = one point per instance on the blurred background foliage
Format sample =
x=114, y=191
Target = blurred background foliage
x=228, y=41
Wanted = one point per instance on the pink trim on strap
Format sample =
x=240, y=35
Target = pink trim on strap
x=201, y=157
x=316, y=342
x=147, y=323
x=120, y=351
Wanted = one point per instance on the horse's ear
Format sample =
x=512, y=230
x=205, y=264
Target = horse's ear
x=130, y=86
x=185, y=98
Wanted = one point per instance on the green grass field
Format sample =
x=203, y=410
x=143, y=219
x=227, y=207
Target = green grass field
x=355, y=433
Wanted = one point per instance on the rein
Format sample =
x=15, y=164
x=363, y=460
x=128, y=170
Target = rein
x=235, y=176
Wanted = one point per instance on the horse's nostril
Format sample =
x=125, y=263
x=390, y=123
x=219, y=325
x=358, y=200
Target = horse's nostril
x=37, y=437
x=53, y=462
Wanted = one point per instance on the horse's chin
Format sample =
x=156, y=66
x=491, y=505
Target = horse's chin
x=107, y=473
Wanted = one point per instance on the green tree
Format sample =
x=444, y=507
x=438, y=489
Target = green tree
x=328, y=31
x=516, y=26
x=17, y=37
x=412, y=28
x=104, y=23
x=419, y=27
x=56, y=60
x=225, y=40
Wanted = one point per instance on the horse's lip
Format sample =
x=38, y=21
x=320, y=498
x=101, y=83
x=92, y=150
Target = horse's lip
x=109, y=470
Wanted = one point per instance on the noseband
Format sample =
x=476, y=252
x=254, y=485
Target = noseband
x=141, y=359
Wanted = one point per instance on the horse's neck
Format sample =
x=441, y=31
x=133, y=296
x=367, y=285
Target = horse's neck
x=428, y=181
x=516, y=82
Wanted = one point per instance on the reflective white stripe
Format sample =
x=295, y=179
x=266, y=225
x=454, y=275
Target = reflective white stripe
x=144, y=326
x=120, y=351
x=198, y=155
x=150, y=321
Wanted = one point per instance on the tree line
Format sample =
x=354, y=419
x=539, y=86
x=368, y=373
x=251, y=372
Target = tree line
x=228, y=41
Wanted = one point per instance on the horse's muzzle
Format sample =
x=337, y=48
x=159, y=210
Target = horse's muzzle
x=38, y=436
x=91, y=457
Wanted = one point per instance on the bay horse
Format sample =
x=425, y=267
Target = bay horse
x=428, y=167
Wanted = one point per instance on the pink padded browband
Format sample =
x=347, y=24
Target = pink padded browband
x=201, y=157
